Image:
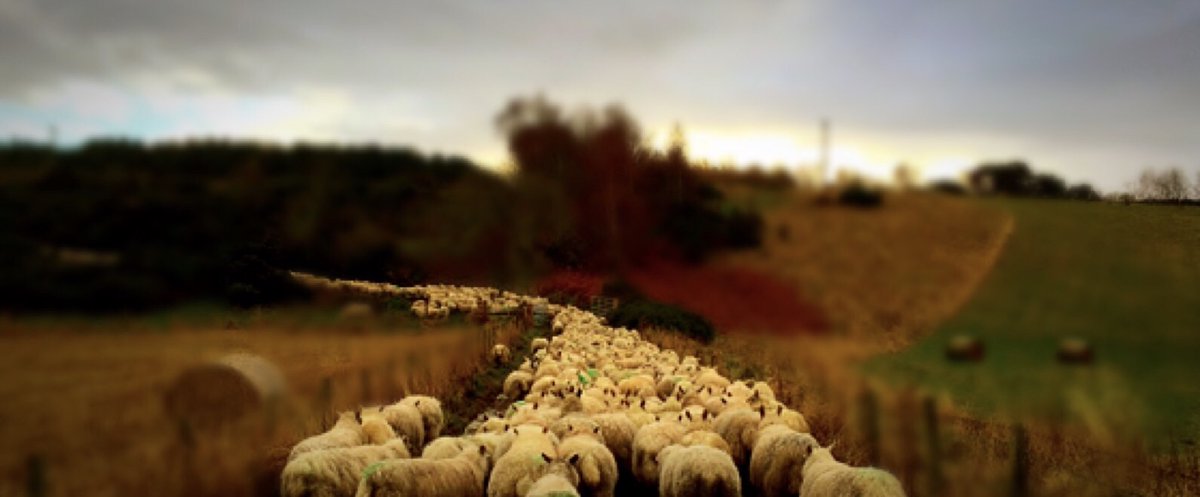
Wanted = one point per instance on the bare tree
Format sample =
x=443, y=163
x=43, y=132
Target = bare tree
x=1170, y=185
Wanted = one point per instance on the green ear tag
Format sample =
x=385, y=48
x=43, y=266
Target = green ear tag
x=372, y=469
x=583, y=379
x=593, y=373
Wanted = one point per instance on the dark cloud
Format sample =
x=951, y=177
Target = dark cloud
x=1059, y=76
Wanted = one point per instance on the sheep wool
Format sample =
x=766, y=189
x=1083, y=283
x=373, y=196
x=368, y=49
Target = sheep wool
x=407, y=423
x=445, y=448
x=777, y=455
x=346, y=432
x=516, y=384
x=461, y=476
x=595, y=464
x=501, y=354
x=532, y=448
x=375, y=427
x=781, y=415
x=618, y=431
x=649, y=441
x=739, y=428
x=552, y=486
x=698, y=470
x=334, y=472
x=431, y=414
x=705, y=437
x=826, y=477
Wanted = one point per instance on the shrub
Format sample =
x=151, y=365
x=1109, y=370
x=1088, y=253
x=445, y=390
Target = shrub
x=569, y=287
x=860, y=195
x=650, y=314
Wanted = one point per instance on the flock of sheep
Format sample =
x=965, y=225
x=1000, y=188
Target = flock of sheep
x=594, y=406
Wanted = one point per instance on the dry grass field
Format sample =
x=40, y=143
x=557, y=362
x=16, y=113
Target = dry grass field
x=84, y=414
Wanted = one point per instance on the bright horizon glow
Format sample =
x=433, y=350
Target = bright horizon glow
x=796, y=152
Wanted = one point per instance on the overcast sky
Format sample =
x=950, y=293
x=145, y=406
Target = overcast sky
x=1092, y=89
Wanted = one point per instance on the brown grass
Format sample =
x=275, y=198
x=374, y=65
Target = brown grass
x=86, y=407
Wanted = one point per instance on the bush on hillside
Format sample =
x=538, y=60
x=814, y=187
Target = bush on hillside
x=643, y=314
x=860, y=195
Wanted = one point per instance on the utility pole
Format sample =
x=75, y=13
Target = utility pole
x=824, y=144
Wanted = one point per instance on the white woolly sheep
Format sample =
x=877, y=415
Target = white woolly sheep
x=460, y=476
x=739, y=428
x=552, y=485
x=649, y=441
x=375, y=426
x=334, y=472
x=595, y=464
x=516, y=384
x=826, y=477
x=781, y=415
x=445, y=448
x=777, y=455
x=431, y=414
x=698, y=470
x=705, y=437
x=407, y=422
x=500, y=354
x=346, y=432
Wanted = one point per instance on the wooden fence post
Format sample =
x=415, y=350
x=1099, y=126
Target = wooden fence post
x=1020, y=487
x=933, y=437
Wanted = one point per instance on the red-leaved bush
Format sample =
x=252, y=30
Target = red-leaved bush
x=569, y=287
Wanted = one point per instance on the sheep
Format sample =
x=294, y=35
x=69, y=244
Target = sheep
x=460, y=476
x=739, y=428
x=538, y=344
x=431, y=414
x=346, y=432
x=784, y=416
x=552, y=485
x=705, y=437
x=516, y=384
x=618, y=431
x=824, y=476
x=532, y=446
x=568, y=426
x=334, y=472
x=697, y=470
x=445, y=448
x=407, y=422
x=648, y=442
x=777, y=454
x=503, y=484
x=595, y=463
x=501, y=354
x=497, y=443
x=375, y=427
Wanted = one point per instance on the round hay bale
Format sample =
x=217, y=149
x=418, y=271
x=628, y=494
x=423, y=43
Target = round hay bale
x=226, y=389
x=965, y=348
x=1075, y=351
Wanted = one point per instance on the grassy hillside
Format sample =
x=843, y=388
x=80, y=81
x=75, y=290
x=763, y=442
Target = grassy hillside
x=1123, y=277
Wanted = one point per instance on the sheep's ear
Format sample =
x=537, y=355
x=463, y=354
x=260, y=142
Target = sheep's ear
x=573, y=459
x=643, y=405
x=596, y=430
x=546, y=457
x=483, y=450
x=724, y=400
x=807, y=450
x=358, y=417
x=689, y=415
x=780, y=409
x=762, y=411
x=417, y=403
x=545, y=429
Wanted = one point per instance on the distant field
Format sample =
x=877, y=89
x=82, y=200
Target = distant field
x=1127, y=278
